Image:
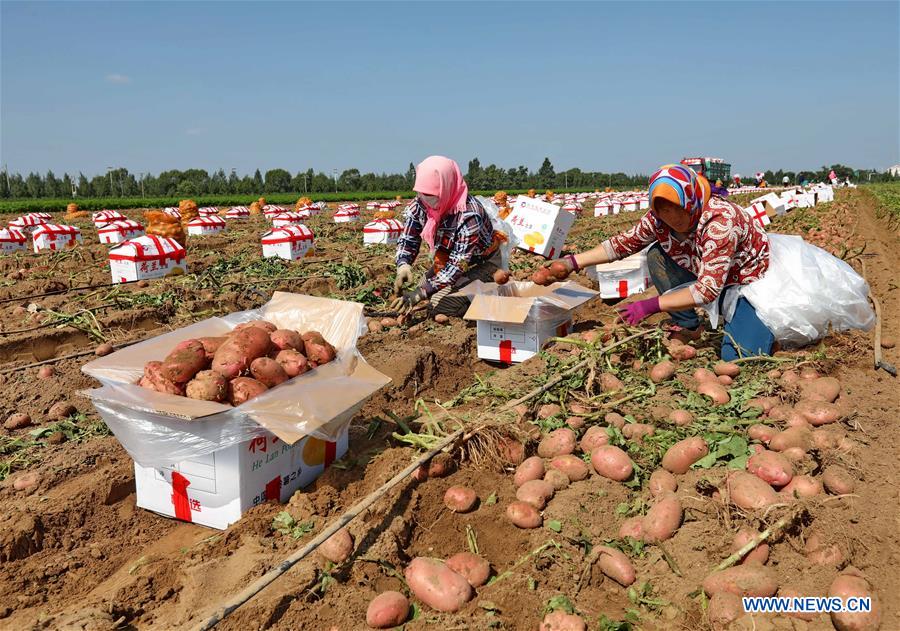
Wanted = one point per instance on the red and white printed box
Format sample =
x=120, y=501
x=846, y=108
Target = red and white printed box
x=350, y=205
x=345, y=214
x=371, y=205
x=46, y=216
x=204, y=226
x=571, y=207
x=623, y=278
x=774, y=203
x=393, y=203
x=147, y=257
x=644, y=203
x=759, y=212
x=386, y=207
x=216, y=489
x=172, y=211
x=29, y=222
x=629, y=205
x=120, y=231
x=540, y=227
x=104, y=217
x=287, y=218
x=382, y=232
x=52, y=237
x=208, y=211
x=602, y=208
x=288, y=242
x=11, y=240
x=514, y=321
x=237, y=212
x=271, y=210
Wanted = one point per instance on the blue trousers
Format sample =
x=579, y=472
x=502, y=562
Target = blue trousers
x=745, y=334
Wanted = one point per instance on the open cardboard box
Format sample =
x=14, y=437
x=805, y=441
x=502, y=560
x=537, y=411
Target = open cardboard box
x=514, y=320
x=208, y=462
x=622, y=278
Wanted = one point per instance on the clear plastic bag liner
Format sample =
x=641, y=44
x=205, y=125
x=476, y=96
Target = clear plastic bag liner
x=517, y=300
x=157, y=428
x=500, y=225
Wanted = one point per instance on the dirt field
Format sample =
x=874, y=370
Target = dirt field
x=75, y=553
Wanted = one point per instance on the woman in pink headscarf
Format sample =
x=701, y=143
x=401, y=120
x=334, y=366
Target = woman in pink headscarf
x=464, y=246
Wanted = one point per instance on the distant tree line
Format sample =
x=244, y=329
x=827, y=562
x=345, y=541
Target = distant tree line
x=121, y=182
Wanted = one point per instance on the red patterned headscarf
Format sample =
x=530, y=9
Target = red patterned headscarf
x=680, y=185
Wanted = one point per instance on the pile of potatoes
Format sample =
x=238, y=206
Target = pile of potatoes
x=237, y=367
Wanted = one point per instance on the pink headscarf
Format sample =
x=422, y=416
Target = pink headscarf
x=437, y=175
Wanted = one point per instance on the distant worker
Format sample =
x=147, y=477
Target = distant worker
x=719, y=190
x=464, y=245
x=736, y=178
x=785, y=181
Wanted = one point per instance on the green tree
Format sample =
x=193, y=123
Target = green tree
x=546, y=174
x=349, y=180
x=474, y=174
x=410, y=175
x=277, y=181
x=258, y=181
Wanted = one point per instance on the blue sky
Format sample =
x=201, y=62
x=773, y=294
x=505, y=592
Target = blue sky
x=602, y=86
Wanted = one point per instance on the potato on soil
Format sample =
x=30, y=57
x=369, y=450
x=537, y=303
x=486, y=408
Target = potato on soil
x=615, y=419
x=759, y=554
x=531, y=469
x=822, y=389
x=762, y=433
x=574, y=467
x=791, y=437
x=441, y=465
x=727, y=368
x=473, y=568
x=292, y=363
x=557, y=479
x=338, y=547
x=374, y=326
x=851, y=584
x=632, y=527
x=742, y=580
x=611, y=462
x=724, y=608
x=460, y=499
x=789, y=591
x=547, y=410
x=284, y=339
x=387, y=610
x=662, y=371
x=103, y=349
x=388, y=322
x=771, y=467
x=663, y=518
x=17, y=421
x=763, y=403
x=749, y=492
x=680, y=456
x=610, y=383
x=46, y=372
x=575, y=422
x=317, y=349
x=535, y=492
x=562, y=621
x=557, y=443
x=636, y=431
x=436, y=585
x=242, y=389
x=817, y=412
x=838, y=481
x=440, y=318
x=60, y=411
x=207, y=385
x=683, y=352
x=715, y=391
x=616, y=565
x=511, y=451
x=268, y=371
x=184, y=361
x=681, y=418
x=725, y=380
x=802, y=486
x=594, y=437
x=661, y=481
x=789, y=378
x=819, y=552
x=523, y=515
x=501, y=277
x=704, y=374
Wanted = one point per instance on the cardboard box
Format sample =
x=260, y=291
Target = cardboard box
x=11, y=240
x=29, y=222
x=120, y=231
x=272, y=210
x=208, y=211
x=52, y=237
x=287, y=219
x=207, y=462
x=382, y=232
x=774, y=204
x=602, y=208
x=205, y=226
x=630, y=205
x=288, y=242
x=172, y=211
x=622, y=278
x=147, y=257
x=104, y=217
x=513, y=321
x=540, y=227
x=571, y=207
x=346, y=215
x=237, y=212
x=760, y=213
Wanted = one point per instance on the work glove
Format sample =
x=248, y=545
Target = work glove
x=405, y=303
x=404, y=277
x=634, y=312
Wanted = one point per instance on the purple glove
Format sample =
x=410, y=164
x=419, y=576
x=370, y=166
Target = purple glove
x=634, y=312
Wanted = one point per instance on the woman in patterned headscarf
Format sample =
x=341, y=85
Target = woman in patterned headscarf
x=701, y=241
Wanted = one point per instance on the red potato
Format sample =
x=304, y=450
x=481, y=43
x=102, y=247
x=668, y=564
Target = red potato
x=557, y=443
x=103, y=349
x=285, y=339
x=153, y=379
x=211, y=345
x=610, y=383
x=575, y=422
x=501, y=277
x=573, y=467
x=268, y=371
x=715, y=391
x=661, y=481
x=473, y=568
x=662, y=371
x=511, y=451
x=683, y=352
x=794, y=454
x=374, y=326
x=838, y=481
x=852, y=584
x=758, y=555
x=387, y=610
x=802, y=486
x=235, y=355
x=17, y=421
x=523, y=515
x=265, y=325
x=702, y=374
x=762, y=433
x=562, y=621
x=632, y=527
x=659, y=412
x=742, y=580
x=548, y=409
x=594, y=437
x=441, y=465
x=680, y=456
x=557, y=479
x=773, y=374
x=725, y=380
x=615, y=419
x=817, y=412
x=809, y=373
x=637, y=431
x=388, y=322
x=46, y=372
x=724, y=608
x=611, y=462
x=536, y=493
x=792, y=437
x=531, y=469
x=317, y=349
x=292, y=363
x=338, y=547
x=771, y=467
x=727, y=368
x=460, y=499
x=822, y=389
x=559, y=270
x=826, y=438
x=207, y=385
x=542, y=277
x=420, y=474
x=439, y=318
x=579, y=409
x=436, y=585
x=184, y=361
x=750, y=492
x=681, y=418
x=819, y=552
x=663, y=519
x=614, y=564
x=763, y=403
x=61, y=410
x=789, y=378
x=242, y=389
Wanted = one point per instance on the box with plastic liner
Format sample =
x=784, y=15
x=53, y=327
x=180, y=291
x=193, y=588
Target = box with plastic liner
x=513, y=321
x=622, y=278
x=207, y=462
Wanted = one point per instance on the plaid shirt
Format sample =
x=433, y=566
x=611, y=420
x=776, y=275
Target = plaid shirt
x=461, y=236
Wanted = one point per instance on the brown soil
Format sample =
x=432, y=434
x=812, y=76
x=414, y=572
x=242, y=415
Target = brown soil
x=75, y=553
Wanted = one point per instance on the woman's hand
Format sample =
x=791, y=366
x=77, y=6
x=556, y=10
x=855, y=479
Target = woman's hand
x=404, y=277
x=405, y=303
x=634, y=312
